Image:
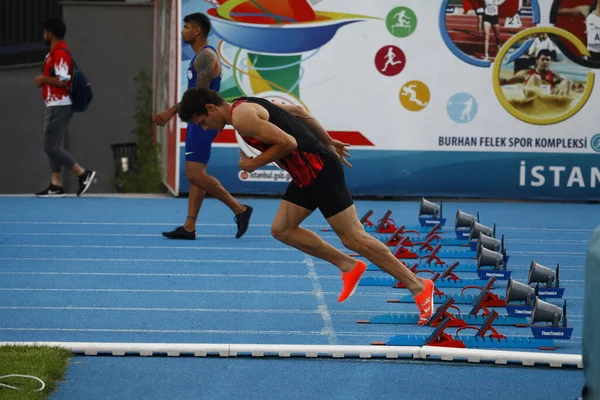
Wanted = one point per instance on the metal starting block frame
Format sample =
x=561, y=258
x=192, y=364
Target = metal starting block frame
x=490, y=300
x=442, y=312
x=494, y=340
x=445, y=279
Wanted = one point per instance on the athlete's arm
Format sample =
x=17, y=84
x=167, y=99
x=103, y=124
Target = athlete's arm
x=558, y=78
x=340, y=148
x=252, y=120
x=575, y=11
x=520, y=76
x=207, y=67
x=313, y=124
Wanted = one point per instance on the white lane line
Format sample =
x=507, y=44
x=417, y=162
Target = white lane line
x=157, y=235
x=574, y=339
x=228, y=248
x=153, y=260
x=328, y=328
x=146, y=274
x=549, y=253
x=219, y=310
x=130, y=223
x=125, y=223
x=260, y=292
x=89, y=246
x=267, y=276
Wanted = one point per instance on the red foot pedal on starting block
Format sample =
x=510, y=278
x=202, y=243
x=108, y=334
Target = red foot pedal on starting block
x=436, y=275
x=399, y=238
x=489, y=299
x=442, y=313
x=386, y=224
x=445, y=340
x=402, y=253
x=492, y=341
x=448, y=275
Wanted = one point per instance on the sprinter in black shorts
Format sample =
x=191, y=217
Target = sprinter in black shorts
x=297, y=142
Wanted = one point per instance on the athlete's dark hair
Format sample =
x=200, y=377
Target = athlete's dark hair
x=200, y=20
x=543, y=52
x=55, y=26
x=194, y=102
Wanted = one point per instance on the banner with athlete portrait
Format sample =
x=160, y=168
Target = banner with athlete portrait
x=459, y=98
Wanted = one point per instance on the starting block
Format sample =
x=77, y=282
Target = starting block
x=525, y=295
x=490, y=299
x=463, y=223
x=484, y=273
x=430, y=214
x=486, y=258
x=540, y=274
x=546, y=312
x=442, y=313
x=445, y=279
x=431, y=236
x=492, y=341
x=435, y=254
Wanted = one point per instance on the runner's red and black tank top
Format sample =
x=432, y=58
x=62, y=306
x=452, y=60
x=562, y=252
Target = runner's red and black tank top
x=306, y=162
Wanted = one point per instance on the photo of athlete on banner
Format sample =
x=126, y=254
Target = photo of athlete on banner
x=538, y=81
x=478, y=28
x=582, y=19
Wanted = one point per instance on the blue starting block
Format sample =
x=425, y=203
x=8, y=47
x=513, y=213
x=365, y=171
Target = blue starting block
x=490, y=299
x=412, y=237
x=387, y=225
x=492, y=341
x=438, y=256
x=443, y=278
x=389, y=281
x=430, y=214
x=549, y=313
x=460, y=266
x=442, y=313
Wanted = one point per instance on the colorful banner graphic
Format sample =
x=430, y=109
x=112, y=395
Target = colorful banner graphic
x=479, y=98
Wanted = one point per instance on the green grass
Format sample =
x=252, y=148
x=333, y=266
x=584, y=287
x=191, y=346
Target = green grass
x=47, y=363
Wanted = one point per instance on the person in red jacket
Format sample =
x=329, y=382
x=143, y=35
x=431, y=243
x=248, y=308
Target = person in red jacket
x=55, y=82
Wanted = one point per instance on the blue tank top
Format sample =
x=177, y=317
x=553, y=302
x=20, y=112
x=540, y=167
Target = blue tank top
x=192, y=75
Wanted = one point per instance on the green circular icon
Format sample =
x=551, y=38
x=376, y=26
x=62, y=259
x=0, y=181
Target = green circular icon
x=401, y=22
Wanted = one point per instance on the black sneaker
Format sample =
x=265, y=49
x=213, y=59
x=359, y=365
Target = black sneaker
x=180, y=233
x=85, y=181
x=52, y=191
x=242, y=220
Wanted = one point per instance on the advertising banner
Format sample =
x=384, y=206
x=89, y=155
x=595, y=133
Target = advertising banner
x=459, y=98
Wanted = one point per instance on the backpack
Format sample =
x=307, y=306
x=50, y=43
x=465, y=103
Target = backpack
x=80, y=90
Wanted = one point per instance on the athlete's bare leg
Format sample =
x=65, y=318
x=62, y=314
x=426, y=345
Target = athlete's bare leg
x=197, y=175
x=349, y=229
x=497, y=34
x=195, y=199
x=286, y=228
x=486, y=28
x=347, y=226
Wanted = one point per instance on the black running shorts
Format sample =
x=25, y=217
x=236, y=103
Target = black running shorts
x=328, y=193
x=492, y=19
